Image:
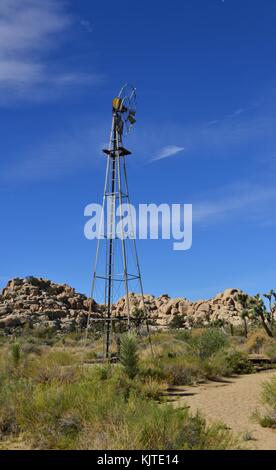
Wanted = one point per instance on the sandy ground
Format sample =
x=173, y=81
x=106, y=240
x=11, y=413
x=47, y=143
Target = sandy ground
x=233, y=402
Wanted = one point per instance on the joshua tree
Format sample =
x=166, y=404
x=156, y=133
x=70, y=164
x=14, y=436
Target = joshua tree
x=244, y=317
x=274, y=306
x=259, y=311
x=254, y=307
x=270, y=296
x=244, y=300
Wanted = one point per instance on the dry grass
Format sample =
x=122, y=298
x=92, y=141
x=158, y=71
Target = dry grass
x=51, y=397
x=52, y=402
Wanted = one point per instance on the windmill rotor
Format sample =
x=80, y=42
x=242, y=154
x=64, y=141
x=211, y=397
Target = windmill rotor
x=124, y=107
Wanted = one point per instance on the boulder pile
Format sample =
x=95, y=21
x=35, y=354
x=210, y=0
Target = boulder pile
x=163, y=309
x=41, y=303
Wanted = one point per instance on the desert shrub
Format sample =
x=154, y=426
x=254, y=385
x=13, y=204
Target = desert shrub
x=209, y=342
x=61, y=358
x=182, y=370
x=45, y=335
x=172, y=348
x=151, y=389
x=75, y=336
x=160, y=337
x=31, y=348
x=268, y=420
x=177, y=322
x=184, y=335
x=256, y=341
x=270, y=351
x=218, y=365
x=228, y=362
x=167, y=430
x=143, y=387
x=11, y=392
x=90, y=356
x=269, y=393
x=129, y=354
x=103, y=372
x=151, y=368
x=50, y=367
x=176, y=368
x=145, y=425
x=239, y=363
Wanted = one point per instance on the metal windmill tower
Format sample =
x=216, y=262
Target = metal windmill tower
x=116, y=262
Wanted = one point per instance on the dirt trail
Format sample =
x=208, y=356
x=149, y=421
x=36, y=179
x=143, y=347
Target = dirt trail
x=233, y=402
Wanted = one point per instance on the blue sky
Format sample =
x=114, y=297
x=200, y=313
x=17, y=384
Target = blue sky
x=205, y=72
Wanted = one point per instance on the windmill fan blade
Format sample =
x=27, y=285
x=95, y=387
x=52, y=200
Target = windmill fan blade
x=125, y=106
x=131, y=119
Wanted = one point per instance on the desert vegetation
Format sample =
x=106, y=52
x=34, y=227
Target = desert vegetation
x=268, y=398
x=54, y=395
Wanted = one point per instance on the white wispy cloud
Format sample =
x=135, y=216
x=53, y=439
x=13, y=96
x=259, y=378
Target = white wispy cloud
x=29, y=31
x=251, y=131
x=167, y=151
x=237, y=112
x=251, y=200
x=249, y=135
x=87, y=25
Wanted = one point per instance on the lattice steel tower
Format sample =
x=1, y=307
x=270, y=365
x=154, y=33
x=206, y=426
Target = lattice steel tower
x=116, y=267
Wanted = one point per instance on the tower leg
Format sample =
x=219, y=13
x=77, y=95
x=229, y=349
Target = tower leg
x=110, y=258
x=123, y=239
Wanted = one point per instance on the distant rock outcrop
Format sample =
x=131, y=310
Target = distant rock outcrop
x=163, y=309
x=39, y=302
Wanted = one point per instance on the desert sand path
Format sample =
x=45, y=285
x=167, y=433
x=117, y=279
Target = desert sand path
x=233, y=402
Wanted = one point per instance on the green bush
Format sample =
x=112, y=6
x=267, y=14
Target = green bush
x=177, y=322
x=269, y=393
x=270, y=351
x=269, y=399
x=182, y=370
x=218, y=365
x=209, y=342
x=239, y=363
x=52, y=366
x=152, y=368
x=228, y=362
x=184, y=335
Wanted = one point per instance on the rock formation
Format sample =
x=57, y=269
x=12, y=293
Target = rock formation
x=163, y=309
x=39, y=302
